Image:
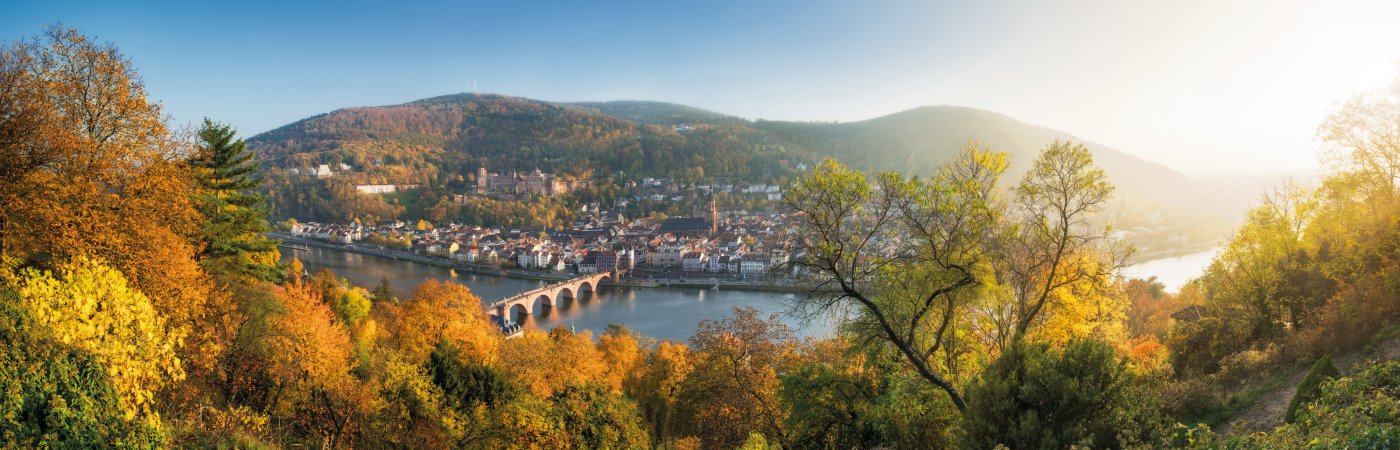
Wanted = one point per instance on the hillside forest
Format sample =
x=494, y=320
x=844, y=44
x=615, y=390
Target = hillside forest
x=438, y=145
x=141, y=305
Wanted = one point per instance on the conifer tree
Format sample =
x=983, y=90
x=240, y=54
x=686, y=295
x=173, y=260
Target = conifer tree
x=235, y=218
x=384, y=293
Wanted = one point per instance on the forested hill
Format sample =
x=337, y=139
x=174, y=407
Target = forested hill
x=920, y=139
x=454, y=134
x=658, y=113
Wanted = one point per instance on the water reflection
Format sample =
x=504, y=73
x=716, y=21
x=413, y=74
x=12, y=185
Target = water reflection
x=664, y=313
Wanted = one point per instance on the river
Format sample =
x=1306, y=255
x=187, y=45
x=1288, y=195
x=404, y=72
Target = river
x=663, y=313
x=1175, y=271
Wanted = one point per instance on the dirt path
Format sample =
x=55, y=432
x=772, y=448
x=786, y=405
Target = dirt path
x=1267, y=413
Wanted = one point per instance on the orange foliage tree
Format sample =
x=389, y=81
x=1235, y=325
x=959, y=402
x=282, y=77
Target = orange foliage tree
x=90, y=168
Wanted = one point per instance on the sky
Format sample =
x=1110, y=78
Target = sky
x=1206, y=87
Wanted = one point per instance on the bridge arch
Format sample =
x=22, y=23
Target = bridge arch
x=517, y=312
x=515, y=308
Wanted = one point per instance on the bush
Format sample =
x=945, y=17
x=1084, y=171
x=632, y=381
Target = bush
x=1037, y=397
x=1311, y=386
x=58, y=396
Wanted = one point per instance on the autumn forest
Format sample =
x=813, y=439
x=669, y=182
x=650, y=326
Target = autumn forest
x=982, y=295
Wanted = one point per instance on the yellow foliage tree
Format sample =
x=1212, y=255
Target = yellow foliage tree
x=547, y=362
x=89, y=306
x=656, y=385
x=619, y=349
x=442, y=310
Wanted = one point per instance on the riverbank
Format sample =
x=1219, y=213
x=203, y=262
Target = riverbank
x=542, y=276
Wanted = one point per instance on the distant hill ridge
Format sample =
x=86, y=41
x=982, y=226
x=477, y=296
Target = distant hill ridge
x=456, y=132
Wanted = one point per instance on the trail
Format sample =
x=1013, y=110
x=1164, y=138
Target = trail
x=1267, y=412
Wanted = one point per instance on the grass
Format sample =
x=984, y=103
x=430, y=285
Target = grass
x=407, y=198
x=1243, y=399
x=1385, y=334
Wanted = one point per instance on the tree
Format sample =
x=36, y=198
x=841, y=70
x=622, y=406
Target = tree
x=1053, y=246
x=96, y=172
x=410, y=410
x=592, y=416
x=619, y=350
x=545, y=363
x=442, y=310
x=353, y=306
x=383, y=293
x=830, y=400
x=309, y=359
x=900, y=253
x=733, y=388
x=656, y=387
x=89, y=306
x=234, y=216
x=1363, y=137
x=1033, y=396
x=467, y=383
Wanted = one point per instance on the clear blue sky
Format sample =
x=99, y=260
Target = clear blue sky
x=1203, y=86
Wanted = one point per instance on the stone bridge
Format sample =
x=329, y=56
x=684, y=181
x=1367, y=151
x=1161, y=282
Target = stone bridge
x=529, y=302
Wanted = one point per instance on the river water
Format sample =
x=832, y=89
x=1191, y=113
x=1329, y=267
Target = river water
x=1175, y=271
x=663, y=313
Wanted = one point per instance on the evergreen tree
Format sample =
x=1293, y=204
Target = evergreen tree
x=235, y=217
x=384, y=293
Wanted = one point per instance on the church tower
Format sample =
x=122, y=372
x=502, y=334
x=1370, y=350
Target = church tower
x=714, y=216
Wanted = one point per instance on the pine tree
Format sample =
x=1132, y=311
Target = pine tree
x=384, y=293
x=235, y=218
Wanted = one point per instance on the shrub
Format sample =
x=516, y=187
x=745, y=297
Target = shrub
x=56, y=395
x=1311, y=386
x=1037, y=397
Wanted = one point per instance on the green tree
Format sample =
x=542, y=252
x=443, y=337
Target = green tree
x=383, y=293
x=900, y=253
x=467, y=384
x=1033, y=396
x=591, y=416
x=235, y=218
x=830, y=407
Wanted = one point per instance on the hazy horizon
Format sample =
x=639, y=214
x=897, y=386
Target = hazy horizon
x=1204, y=88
